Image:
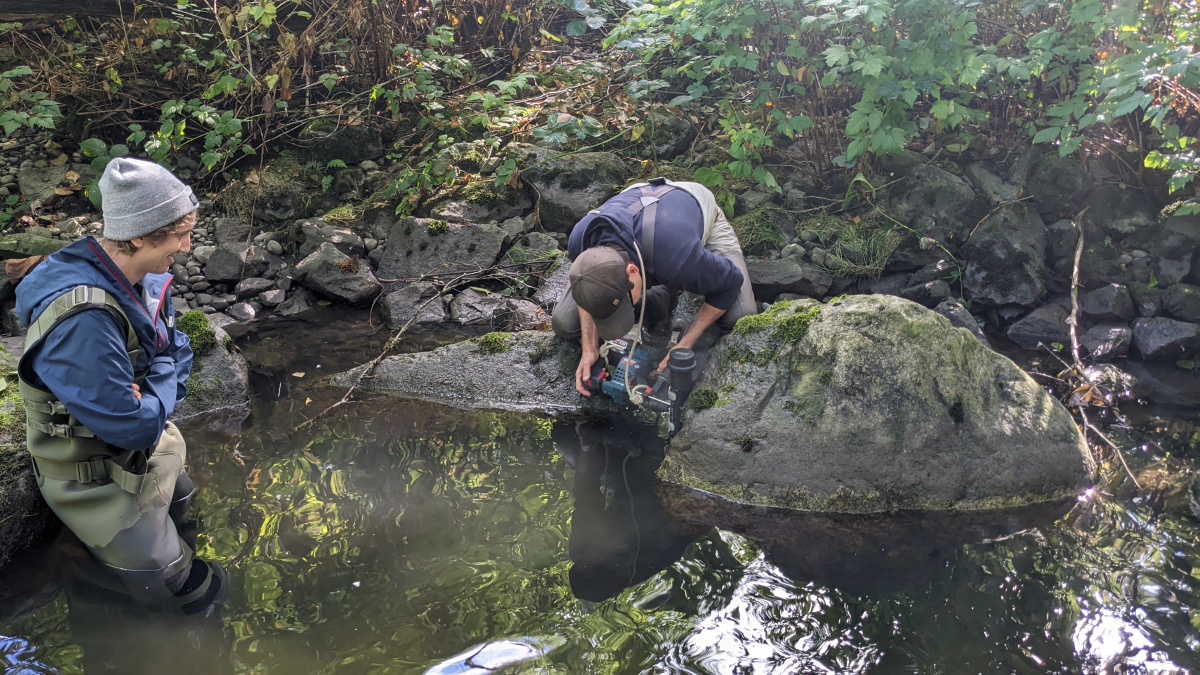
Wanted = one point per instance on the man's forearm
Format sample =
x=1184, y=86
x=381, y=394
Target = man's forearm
x=589, y=338
x=708, y=316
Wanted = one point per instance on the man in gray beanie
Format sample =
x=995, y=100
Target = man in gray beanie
x=102, y=371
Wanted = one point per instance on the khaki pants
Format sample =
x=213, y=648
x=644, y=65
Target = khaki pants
x=722, y=241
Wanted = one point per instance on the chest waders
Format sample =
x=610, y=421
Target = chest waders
x=122, y=504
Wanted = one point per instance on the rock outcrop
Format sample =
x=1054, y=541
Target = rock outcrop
x=530, y=371
x=24, y=516
x=869, y=404
x=220, y=378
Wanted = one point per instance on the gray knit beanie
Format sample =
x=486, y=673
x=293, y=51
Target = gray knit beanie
x=138, y=197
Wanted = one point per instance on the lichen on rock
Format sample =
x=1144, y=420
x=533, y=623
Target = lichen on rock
x=868, y=404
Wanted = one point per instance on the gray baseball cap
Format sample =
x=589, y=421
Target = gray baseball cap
x=600, y=285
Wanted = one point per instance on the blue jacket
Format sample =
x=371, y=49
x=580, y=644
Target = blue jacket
x=83, y=361
x=680, y=260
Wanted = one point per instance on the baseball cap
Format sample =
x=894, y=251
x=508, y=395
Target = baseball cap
x=600, y=285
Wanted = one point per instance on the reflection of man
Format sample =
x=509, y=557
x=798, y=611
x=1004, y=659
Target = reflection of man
x=652, y=239
x=618, y=535
x=103, y=369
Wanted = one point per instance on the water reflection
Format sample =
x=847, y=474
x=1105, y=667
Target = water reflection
x=414, y=538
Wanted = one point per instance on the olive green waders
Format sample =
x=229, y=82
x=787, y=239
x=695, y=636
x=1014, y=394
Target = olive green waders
x=118, y=502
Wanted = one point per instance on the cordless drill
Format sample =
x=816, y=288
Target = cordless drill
x=617, y=368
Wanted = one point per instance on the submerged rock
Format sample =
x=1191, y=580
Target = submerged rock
x=24, y=516
x=526, y=371
x=869, y=404
x=413, y=302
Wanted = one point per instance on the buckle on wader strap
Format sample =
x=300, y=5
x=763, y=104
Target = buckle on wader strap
x=97, y=469
x=649, y=203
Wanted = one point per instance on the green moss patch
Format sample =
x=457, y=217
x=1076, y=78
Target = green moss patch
x=194, y=324
x=787, y=327
x=702, y=399
x=493, y=343
x=437, y=227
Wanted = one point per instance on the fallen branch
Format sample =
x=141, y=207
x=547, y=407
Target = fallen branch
x=1072, y=325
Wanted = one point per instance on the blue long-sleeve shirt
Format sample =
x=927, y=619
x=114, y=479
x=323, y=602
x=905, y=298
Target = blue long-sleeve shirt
x=83, y=361
x=680, y=261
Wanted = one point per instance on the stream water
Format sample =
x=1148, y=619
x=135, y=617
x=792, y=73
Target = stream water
x=411, y=538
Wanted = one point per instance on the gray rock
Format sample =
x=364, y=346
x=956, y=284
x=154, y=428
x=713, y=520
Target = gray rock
x=1119, y=211
x=518, y=314
x=472, y=307
x=1108, y=303
x=960, y=318
x=1147, y=301
x=242, y=312
x=25, y=245
x=989, y=184
x=272, y=298
x=532, y=248
x=479, y=202
x=941, y=269
x=324, y=142
x=515, y=227
x=1170, y=251
x=1107, y=341
x=274, y=247
x=219, y=304
x=231, y=231
x=1117, y=381
x=314, y=232
x=333, y=273
x=666, y=136
x=892, y=284
x=1057, y=183
x=26, y=517
x=555, y=282
x=1163, y=339
x=1182, y=301
x=37, y=184
x=1062, y=236
x=1007, y=257
x=570, y=185
x=302, y=301
x=204, y=299
x=400, y=305
x=534, y=372
x=787, y=275
x=1045, y=325
x=247, y=288
x=202, y=253
x=929, y=294
x=200, y=286
x=220, y=379
x=230, y=263
x=880, y=405
x=928, y=191
x=417, y=247
x=370, y=244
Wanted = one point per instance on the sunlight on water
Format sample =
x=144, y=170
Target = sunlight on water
x=398, y=538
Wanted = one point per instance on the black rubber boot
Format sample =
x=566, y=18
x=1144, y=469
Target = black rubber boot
x=656, y=328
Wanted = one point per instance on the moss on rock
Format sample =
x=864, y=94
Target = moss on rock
x=493, y=343
x=194, y=324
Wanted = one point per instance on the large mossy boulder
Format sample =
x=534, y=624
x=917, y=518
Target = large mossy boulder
x=528, y=371
x=868, y=404
x=24, y=516
x=220, y=378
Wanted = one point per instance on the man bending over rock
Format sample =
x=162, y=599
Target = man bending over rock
x=665, y=237
x=103, y=369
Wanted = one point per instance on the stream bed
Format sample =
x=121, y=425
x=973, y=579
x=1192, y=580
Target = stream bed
x=398, y=537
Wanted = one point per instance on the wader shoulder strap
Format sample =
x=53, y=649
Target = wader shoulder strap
x=649, y=204
x=75, y=300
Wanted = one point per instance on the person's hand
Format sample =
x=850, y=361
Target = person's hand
x=584, y=371
x=137, y=391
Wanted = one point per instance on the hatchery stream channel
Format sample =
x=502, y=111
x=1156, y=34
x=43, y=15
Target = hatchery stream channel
x=399, y=537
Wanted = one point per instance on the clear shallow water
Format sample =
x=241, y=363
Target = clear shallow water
x=397, y=538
